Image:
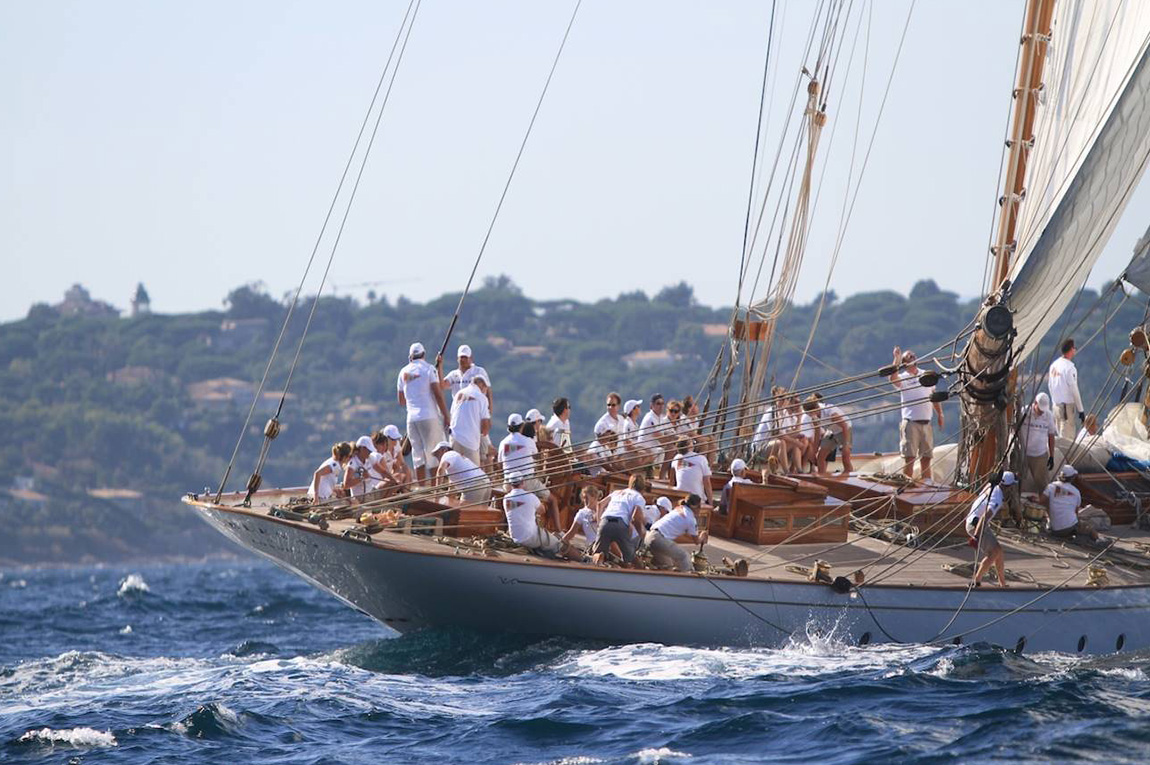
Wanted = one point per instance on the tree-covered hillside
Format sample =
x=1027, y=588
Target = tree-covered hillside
x=154, y=403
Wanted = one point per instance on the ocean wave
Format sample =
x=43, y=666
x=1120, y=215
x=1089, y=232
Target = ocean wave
x=131, y=585
x=210, y=721
x=76, y=738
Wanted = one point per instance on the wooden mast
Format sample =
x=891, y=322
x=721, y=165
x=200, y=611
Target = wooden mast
x=988, y=406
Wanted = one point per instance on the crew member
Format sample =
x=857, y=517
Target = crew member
x=837, y=434
x=462, y=476
x=417, y=388
x=1063, y=501
x=692, y=471
x=355, y=478
x=916, y=434
x=738, y=475
x=523, y=510
x=660, y=540
x=1063, y=382
x=586, y=518
x=1038, y=433
x=622, y=514
x=559, y=426
x=327, y=480
x=471, y=418
x=985, y=507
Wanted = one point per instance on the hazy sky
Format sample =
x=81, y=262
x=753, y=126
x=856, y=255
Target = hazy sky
x=195, y=146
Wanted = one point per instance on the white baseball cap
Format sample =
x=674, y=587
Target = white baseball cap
x=365, y=442
x=533, y=415
x=442, y=445
x=665, y=504
x=514, y=419
x=1067, y=472
x=392, y=432
x=483, y=377
x=737, y=465
x=631, y=405
x=514, y=477
x=1043, y=402
x=1008, y=478
x=416, y=349
x=464, y=350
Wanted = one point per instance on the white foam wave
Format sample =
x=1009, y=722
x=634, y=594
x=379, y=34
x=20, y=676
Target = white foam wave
x=132, y=583
x=72, y=737
x=1126, y=673
x=126, y=630
x=18, y=584
x=658, y=756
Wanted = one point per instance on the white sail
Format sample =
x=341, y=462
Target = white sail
x=1091, y=144
x=1138, y=272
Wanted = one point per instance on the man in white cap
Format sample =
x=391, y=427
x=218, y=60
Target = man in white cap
x=1037, y=432
x=603, y=454
x=985, y=507
x=916, y=433
x=628, y=436
x=523, y=510
x=738, y=475
x=470, y=418
x=660, y=540
x=1063, y=382
x=355, y=475
x=462, y=476
x=1063, y=500
x=394, y=456
x=516, y=452
x=418, y=390
x=459, y=378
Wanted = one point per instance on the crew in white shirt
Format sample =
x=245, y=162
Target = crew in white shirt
x=586, y=520
x=651, y=436
x=379, y=473
x=1063, y=500
x=523, y=510
x=738, y=475
x=603, y=455
x=327, y=481
x=652, y=513
x=1063, y=382
x=837, y=433
x=559, y=426
x=457, y=379
x=394, y=456
x=985, y=507
x=622, y=513
x=611, y=418
x=417, y=388
x=355, y=479
x=462, y=476
x=916, y=434
x=516, y=451
x=628, y=437
x=470, y=418
x=1037, y=432
x=692, y=472
x=660, y=540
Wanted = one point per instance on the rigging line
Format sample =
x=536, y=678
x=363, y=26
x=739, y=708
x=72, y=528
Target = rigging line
x=858, y=184
x=315, y=248
x=510, y=177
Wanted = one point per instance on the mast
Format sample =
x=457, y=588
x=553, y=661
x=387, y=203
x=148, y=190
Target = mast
x=986, y=400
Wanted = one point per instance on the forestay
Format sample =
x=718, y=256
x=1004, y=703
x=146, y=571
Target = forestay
x=1091, y=144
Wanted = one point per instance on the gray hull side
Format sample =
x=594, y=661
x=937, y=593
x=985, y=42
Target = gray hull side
x=408, y=590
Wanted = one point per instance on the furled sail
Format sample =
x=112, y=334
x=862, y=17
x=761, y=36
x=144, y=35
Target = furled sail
x=1090, y=147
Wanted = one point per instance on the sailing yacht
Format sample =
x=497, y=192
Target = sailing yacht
x=871, y=556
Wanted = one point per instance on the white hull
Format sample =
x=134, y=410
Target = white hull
x=410, y=589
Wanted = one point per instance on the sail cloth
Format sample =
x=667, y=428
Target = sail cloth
x=1138, y=272
x=1091, y=145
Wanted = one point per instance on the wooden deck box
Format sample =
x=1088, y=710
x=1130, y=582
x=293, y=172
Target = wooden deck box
x=474, y=522
x=792, y=522
x=745, y=497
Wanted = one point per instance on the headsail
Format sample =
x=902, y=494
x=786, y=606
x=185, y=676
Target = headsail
x=1090, y=147
x=1138, y=272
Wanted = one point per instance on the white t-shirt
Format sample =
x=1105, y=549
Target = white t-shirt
x=807, y=425
x=416, y=381
x=629, y=434
x=358, y=470
x=521, y=507
x=829, y=422
x=677, y=522
x=612, y=421
x=393, y=456
x=915, y=397
x=765, y=428
x=462, y=474
x=517, y=453
x=460, y=380
x=328, y=481
x=597, y=454
x=650, y=429
x=468, y=409
x=651, y=513
x=585, y=517
x=691, y=470
x=1036, y=431
x=377, y=462
x=989, y=501
x=560, y=431
x=623, y=504
x=1063, y=382
x=1065, y=499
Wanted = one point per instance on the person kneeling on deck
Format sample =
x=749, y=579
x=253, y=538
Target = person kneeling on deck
x=1063, y=500
x=679, y=522
x=462, y=476
x=623, y=511
x=524, y=511
x=984, y=509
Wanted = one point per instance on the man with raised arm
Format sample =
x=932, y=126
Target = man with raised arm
x=1063, y=383
x=915, y=430
x=417, y=388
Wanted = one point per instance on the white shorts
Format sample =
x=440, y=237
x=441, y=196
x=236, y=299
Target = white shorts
x=424, y=435
x=542, y=541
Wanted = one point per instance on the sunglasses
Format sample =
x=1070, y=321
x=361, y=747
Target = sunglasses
x=674, y=411
x=611, y=403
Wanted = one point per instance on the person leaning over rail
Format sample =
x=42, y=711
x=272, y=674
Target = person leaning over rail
x=1063, y=501
x=660, y=540
x=327, y=480
x=1062, y=379
x=524, y=510
x=982, y=537
x=462, y=476
x=1038, y=433
x=379, y=473
x=417, y=388
x=622, y=514
x=916, y=433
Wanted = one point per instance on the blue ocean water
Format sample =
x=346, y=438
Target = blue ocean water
x=239, y=662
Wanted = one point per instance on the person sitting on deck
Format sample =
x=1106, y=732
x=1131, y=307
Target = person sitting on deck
x=692, y=471
x=622, y=514
x=394, y=456
x=838, y=435
x=471, y=418
x=559, y=426
x=534, y=418
x=524, y=511
x=660, y=540
x=517, y=453
x=462, y=476
x=629, y=436
x=1063, y=501
x=327, y=481
x=586, y=518
x=767, y=440
x=790, y=432
x=1038, y=433
x=417, y=388
x=738, y=475
x=649, y=439
x=811, y=429
x=982, y=538
x=612, y=417
x=355, y=478
x=379, y=474
x=915, y=434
